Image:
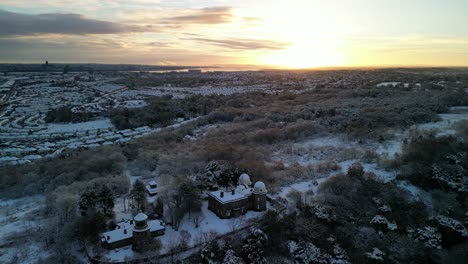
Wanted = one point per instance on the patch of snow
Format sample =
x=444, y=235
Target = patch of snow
x=384, y=84
x=303, y=187
x=389, y=148
x=445, y=126
x=376, y=254
x=385, y=176
x=429, y=236
x=119, y=254
x=383, y=222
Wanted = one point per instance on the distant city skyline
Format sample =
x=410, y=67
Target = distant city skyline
x=283, y=34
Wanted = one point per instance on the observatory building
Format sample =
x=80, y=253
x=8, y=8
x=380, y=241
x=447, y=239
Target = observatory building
x=239, y=200
x=133, y=232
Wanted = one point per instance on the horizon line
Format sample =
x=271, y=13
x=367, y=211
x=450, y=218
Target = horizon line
x=259, y=67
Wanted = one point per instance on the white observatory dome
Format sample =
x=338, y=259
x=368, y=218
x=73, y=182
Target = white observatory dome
x=244, y=179
x=260, y=188
x=140, y=217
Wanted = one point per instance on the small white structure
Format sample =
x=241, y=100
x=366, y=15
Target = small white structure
x=152, y=188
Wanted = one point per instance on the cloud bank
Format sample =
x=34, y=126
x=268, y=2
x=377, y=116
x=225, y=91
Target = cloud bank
x=16, y=24
x=244, y=44
x=211, y=15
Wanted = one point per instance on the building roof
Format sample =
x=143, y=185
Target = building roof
x=244, y=179
x=152, y=183
x=118, y=234
x=150, y=189
x=228, y=197
x=259, y=187
x=140, y=217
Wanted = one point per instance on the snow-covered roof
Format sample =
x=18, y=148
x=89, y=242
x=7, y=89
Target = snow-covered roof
x=124, y=231
x=8, y=158
x=156, y=225
x=259, y=187
x=244, y=179
x=240, y=193
x=150, y=189
x=32, y=157
x=140, y=217
x=152, y=183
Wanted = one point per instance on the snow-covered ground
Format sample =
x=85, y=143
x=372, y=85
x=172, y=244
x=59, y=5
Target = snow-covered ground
x=75, y=127
x=310, y=151
x=445, y=126
x=303, y=187
x=313, y=151
x=19, y=216
x=385, y=176
x=209, y=223
x=119, y=254
x=389, y=148
x=210, y=226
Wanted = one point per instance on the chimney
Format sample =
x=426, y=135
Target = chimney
x=222, y=194
x=233, y=191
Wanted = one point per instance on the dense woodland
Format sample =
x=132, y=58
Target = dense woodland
x=355, y=217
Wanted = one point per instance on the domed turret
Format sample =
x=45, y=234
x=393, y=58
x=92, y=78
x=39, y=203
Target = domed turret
x=259, y=196
x=244, y=179
x=259, y=188
x=140, y=217
x=141, y=222
x=141, y=230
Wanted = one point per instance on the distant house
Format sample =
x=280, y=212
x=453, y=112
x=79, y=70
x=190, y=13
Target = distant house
x=131, y=232
x=152, y=188
x=239, y=200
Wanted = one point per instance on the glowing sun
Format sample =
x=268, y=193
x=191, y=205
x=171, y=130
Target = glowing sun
x=304, y=56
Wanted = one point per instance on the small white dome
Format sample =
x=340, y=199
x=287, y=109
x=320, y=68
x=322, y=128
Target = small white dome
x=259, y=187
x=140, y=217
x=244, y=179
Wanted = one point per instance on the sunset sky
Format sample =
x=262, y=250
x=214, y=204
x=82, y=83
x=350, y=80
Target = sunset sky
x=290, y=34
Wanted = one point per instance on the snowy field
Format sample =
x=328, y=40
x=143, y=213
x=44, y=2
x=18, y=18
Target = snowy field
x=18, y=218
x=445, y=126
x=314, y=151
